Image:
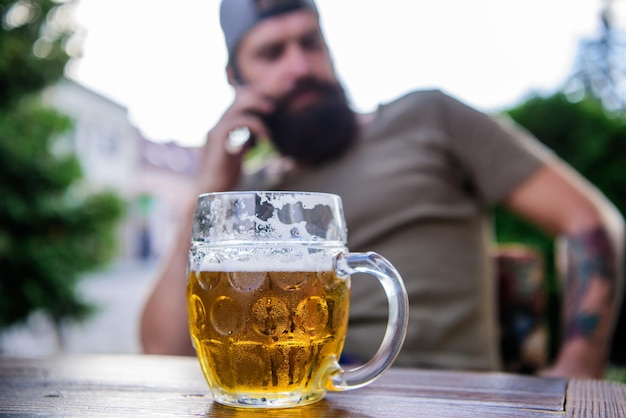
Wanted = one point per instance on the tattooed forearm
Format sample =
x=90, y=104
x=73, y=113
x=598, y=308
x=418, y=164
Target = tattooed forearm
x=590, y=284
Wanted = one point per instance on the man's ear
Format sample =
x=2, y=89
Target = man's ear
x=233, y=78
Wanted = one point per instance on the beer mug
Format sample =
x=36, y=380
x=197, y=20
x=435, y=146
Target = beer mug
x=268, y=298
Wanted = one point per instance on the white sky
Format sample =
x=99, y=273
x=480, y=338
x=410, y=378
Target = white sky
x=164, y=60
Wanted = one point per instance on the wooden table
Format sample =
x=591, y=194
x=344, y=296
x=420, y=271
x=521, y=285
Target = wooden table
x=140, y=385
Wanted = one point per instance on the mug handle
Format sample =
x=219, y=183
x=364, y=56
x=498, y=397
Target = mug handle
x=379, y=267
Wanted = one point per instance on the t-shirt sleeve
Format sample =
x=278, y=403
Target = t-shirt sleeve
x=494, y=152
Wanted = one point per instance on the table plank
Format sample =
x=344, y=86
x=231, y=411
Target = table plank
x=128, y=385
x=596, y=398
x=519, y=391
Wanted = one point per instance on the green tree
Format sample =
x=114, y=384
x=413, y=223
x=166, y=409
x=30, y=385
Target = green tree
x=594, y=143
x=51, y=229
x=35, y=43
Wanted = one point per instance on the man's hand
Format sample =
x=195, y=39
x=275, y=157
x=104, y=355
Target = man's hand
x=220, y=167
x=578, y=359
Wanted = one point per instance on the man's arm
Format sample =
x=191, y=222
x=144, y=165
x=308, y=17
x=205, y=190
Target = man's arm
x=561, y=202
x=164, y=328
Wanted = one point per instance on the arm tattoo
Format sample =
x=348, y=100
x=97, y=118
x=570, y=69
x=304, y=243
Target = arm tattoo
x=590, y=283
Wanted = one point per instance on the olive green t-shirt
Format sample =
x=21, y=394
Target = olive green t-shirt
x=417, y=188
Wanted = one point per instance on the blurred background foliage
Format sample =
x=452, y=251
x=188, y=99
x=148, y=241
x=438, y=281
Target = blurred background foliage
x=34, y=46
x=52, y=228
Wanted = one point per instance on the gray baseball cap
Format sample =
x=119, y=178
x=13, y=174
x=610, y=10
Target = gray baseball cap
x=237, y=17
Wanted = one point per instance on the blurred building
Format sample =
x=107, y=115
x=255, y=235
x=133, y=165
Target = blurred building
x=165, y=175
x=151, y=177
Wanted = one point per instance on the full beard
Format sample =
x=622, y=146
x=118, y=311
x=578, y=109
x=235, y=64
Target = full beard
x=317, y=133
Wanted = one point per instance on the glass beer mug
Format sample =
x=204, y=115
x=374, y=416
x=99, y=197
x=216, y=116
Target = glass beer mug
x=268, y=298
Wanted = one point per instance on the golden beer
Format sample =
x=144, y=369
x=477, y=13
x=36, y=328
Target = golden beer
x=267, y=334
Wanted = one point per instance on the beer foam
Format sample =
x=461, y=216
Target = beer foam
x=273, y=216
x=280, y=228
x=264, y=265
x=308, y=200
x=259, y=260
x=273, y=231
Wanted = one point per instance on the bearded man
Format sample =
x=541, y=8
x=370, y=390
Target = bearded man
x=418, y=178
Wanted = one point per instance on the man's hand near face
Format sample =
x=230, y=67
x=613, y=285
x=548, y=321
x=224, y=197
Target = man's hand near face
x=220, y=167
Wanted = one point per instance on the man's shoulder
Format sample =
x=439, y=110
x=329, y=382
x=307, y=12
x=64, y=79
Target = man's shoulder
x=414, y=106
x=431, y=103
x=419, y=98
